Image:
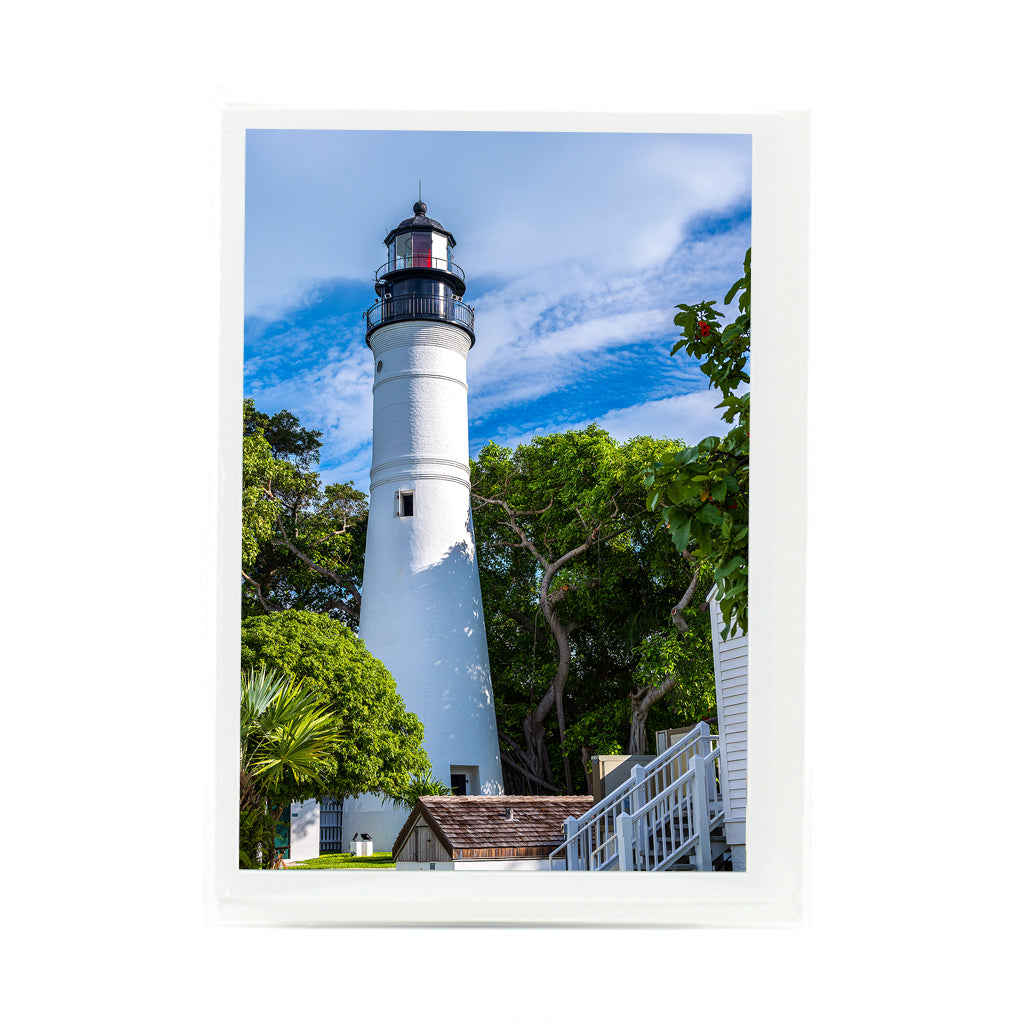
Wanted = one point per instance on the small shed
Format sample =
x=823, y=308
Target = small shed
x=484, y=832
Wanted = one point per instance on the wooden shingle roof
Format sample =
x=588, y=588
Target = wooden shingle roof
x=465, y=823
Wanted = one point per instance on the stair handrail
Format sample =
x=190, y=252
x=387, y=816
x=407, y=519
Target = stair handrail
x=590, y=843
x=633, y=847
x=692, y=805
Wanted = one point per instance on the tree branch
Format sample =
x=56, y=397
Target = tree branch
x=515, y=766
x=264, y=603
x=525, y=621
x=505, y=738
x=355, y=596
x=648, y=695
x=678, y=619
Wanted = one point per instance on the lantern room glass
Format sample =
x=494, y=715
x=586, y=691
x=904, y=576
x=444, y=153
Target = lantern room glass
x=403, y=252
x=421, y=249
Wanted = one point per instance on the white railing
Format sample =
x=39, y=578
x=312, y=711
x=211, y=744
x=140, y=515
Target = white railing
x=592, y=842
x=418, y=261
x=677, y=822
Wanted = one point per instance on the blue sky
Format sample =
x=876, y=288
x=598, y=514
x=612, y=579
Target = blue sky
x=576, y=247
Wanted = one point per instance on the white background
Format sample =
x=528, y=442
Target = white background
x=111, y=188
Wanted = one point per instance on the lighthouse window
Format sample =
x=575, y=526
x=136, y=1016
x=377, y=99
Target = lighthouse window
x=420, y=249
x=405, y=503
x=403, y=251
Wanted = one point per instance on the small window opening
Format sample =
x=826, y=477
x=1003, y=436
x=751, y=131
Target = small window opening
x=465, y=779
x=380, y=365
x=405, y=507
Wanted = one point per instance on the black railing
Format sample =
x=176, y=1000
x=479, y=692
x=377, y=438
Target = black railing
x=421, y=262
x=419, y=307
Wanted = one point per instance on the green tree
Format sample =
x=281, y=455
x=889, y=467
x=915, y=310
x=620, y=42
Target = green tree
x=287, y=438
x=667, y=662
x=576, y=575
x=703, y=492
x=286, y=741
x=302, y=541
x=379, y=746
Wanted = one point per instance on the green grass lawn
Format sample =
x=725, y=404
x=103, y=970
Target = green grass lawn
x=337, y=861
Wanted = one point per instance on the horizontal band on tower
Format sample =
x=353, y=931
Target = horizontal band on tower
x=416, y=373
x=411, y=462
x=398, y=477
x=407, y=333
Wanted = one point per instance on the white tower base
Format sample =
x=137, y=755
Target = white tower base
x=422, y=611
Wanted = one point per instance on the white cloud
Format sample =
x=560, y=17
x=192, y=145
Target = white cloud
x=320, y=203
x=537, y=364
x=688, y=418
x=532, y=332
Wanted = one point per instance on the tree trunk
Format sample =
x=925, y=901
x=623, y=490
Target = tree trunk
x=640, y=701
x=560, y=632
x=533, y=724
x=639, y=705
x=558, y=683
x=536, y=753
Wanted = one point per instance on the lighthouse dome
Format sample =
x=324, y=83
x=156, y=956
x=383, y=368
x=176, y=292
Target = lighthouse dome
x=419, y=221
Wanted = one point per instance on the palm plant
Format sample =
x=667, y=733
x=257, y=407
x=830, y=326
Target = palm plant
x=286, y=743
x=420, y=784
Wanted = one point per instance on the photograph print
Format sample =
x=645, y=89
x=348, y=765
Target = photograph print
x=495, y=499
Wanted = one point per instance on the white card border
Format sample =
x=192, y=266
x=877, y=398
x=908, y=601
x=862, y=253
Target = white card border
x=773, y=890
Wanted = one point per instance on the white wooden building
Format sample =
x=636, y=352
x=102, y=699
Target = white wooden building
x=731, y=693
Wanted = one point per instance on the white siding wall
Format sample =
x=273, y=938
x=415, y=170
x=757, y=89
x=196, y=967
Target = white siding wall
x=731, y=690
x=305, y=822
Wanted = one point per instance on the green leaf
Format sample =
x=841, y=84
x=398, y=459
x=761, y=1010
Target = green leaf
x=676, y=516
x=700, y=534
x=681, y=535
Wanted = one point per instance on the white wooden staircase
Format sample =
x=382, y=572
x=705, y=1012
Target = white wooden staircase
x=668, y=816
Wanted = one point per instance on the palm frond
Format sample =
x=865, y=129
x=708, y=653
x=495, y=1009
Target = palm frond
x=285, y=730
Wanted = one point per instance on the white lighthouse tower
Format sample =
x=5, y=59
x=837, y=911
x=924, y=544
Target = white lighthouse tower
x=422, y=613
